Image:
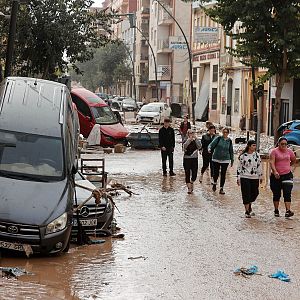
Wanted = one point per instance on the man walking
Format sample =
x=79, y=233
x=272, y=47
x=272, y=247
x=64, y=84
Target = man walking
x=167, y=145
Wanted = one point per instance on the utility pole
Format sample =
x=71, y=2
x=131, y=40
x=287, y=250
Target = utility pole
x=11, y=37
x=190, y=61
x=260, y=94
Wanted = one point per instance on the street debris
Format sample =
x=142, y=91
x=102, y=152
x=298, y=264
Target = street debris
x=281, y=276
x=12, y=272
x=138, y=257
x=96, y=242
x=247, y=272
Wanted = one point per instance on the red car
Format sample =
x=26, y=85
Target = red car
x=93, y=110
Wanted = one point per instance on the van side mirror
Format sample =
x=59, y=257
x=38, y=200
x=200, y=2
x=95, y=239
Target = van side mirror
x=160, y=109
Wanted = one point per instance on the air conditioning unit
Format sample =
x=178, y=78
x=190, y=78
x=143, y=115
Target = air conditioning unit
x=145, y=21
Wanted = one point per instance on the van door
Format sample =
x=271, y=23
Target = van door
x=85, y=116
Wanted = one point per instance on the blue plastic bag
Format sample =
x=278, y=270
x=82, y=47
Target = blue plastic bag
x=281, y=276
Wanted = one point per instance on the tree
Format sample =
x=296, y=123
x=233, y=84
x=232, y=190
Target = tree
x=108, y=67
x=268, y=37
x=52, y=34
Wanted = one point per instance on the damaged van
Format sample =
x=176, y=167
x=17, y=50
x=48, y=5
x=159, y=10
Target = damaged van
x=38, y=160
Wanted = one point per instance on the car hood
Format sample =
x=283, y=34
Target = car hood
x=148, y=114
x=30, y=202
x=114, y=130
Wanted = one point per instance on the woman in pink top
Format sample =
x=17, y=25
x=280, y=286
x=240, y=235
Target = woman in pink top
x=281, y=160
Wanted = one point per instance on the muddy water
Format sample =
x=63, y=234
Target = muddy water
x=176, y=246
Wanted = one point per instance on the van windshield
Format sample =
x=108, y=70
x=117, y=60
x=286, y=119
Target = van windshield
x=30, y=156
x=104, y=115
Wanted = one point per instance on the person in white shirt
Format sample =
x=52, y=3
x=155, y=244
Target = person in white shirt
x=249, y=174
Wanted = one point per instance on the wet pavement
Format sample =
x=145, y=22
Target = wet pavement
x=176, y=246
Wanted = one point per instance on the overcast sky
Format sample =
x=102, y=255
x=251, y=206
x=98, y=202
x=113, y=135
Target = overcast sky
x=98, y=3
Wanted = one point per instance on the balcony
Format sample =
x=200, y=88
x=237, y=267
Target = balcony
x=145, y=10
x=165, y=19
x=144, y=58
x=226, y=60
x=143, y=80
x=164, y=72
x=163, y=46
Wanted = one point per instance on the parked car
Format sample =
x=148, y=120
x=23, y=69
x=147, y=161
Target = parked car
x=93, y=110
x=116, y=104
x=95, y=219
x=129, y=104
x=153, y=112
x=104, y=97
x=291, y=130
x=38, y=159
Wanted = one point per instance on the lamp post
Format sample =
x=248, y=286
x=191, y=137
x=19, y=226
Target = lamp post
x=190, y=59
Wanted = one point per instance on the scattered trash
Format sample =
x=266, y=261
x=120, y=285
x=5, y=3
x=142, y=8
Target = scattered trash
x=118, y=236
x=246, y=272
x=96, y=242
x=12, y=272
x=138, y=257
x=281, y=276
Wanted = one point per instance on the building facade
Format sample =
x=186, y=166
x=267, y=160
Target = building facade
x=171, y=65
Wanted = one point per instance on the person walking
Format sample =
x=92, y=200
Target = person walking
x=281, y=179
x=222, y=155
x=249, y=174
x=167, y=145
x=184, y=127
x=206, y=156
x=190, y=159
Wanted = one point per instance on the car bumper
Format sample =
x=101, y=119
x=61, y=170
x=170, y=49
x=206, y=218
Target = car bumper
x=110, y=141
x=102, y=228
x=44, y=244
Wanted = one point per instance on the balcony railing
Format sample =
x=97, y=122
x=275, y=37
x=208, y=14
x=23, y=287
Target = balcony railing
x=164, y=18
x=163, y=45
x=164, y=72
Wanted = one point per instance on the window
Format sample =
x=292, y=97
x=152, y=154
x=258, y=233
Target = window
x=195, y=73
x=215, y=73
x=32, y=156
x=81, y=106
x=236, y=100
x=214, y=99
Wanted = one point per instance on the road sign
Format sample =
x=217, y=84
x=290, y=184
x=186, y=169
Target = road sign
x=206, y=34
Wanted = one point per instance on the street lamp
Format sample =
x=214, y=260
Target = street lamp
x=190, y=59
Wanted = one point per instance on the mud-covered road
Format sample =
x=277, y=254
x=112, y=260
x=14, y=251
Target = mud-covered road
x=176, y=246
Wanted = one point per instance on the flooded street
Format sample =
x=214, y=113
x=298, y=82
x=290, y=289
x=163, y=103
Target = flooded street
x=176, y=246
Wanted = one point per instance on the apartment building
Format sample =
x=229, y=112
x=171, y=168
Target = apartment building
x=142, y=50
x=172, y=65
x=206, y=56
x=123, y=32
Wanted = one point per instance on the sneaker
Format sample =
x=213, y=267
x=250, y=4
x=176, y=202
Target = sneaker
x=289, y=213
x=165, y=173
x=172, y=174
x=276, y=213
x=247, y=214
x=222, y=191
x=251, y=212
x=201, y=178
x=214, y=187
